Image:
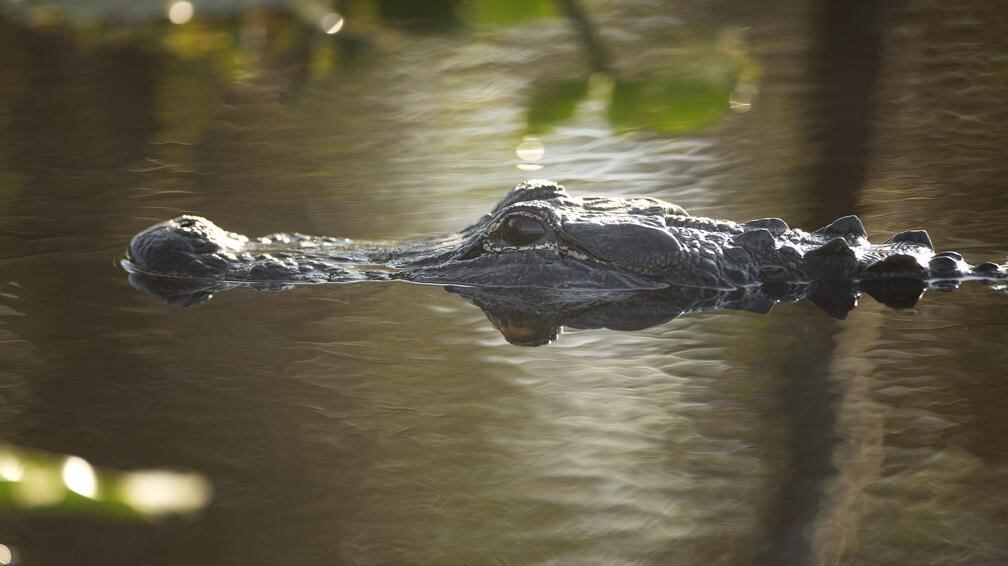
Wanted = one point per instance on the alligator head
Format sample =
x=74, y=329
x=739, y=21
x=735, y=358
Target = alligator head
x=538, y=236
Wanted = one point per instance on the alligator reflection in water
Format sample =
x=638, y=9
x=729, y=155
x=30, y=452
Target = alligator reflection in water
x=612, y=262
x=535, y=316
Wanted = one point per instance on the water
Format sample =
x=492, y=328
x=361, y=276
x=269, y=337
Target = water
x=393, y=424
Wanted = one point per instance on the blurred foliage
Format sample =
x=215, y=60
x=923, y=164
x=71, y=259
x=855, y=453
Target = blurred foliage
x=554, y=102
x=433, y=16
x=697, y=92
x=675, y=105
x=507, y=13
x=38, y=481
x=233, y=42
x=426, y=16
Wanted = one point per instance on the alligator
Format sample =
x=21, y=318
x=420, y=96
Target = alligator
x=541, y=238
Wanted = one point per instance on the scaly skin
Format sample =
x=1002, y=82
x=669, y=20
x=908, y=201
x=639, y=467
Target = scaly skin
x=540, y=237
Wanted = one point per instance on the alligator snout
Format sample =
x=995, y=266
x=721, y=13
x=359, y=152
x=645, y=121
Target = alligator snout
x=189, y=246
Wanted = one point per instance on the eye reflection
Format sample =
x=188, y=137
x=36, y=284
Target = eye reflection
x=521, y=231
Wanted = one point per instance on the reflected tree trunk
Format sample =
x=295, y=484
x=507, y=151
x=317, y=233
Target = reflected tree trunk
x=843, y=70
x=598, y=56
x=807, y=402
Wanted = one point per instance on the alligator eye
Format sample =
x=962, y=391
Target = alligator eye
x=521, y=231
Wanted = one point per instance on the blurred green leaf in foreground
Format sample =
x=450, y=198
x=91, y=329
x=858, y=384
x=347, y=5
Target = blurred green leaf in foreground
x=41, y=482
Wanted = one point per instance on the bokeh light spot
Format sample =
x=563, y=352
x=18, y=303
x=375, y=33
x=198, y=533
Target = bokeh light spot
x=158, y=492
x=6, y=555
x=79, y=477
x=530, y=149
x=180, y=12
x=11, y=468
x=331, y=23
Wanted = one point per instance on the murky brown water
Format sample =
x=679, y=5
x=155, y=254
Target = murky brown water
x=392, y=424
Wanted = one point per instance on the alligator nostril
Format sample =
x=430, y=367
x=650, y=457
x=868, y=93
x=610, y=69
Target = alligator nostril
x=186, y=222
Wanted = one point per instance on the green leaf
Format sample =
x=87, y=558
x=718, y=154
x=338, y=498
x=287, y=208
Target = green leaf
x=506, y=12
x=554, y=102
x=32, y=481
x=678, y=105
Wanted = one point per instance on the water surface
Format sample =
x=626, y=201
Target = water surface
x=393, y=424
